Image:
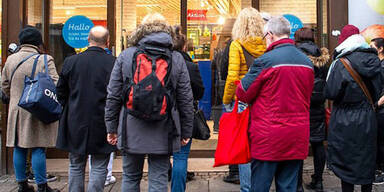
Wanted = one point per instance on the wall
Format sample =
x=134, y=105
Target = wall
x=362, y=15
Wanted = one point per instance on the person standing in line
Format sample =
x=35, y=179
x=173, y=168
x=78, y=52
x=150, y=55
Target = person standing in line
x=352, y=136
x=305, y=41
x=247, y=44
x=82, y=90
x=278, y=88
x=378, y=44
x=180, y=159
x=136, y=136
x=24, y=130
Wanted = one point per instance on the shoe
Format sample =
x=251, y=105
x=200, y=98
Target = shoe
x=50, y=178
x=379, y=178
x=190, y=176
x=45, y=188
x=316, y=186
x=24, y=187
x=110, y=181
x=232, y=179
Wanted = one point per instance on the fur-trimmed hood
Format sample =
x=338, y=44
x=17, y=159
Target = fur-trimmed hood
x=319, y=57
x=146, y=29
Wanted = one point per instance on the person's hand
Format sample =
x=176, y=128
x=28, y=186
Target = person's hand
x=381, y=101
x=184, y=142
x=112, y=138
x=227, y=107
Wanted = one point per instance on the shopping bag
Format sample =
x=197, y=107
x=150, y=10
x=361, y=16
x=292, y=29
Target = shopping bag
x=233, y=143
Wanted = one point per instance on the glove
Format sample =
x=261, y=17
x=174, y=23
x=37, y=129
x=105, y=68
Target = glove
x=227, y=108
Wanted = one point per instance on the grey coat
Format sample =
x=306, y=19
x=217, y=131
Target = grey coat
x=23, y=129
x=150, y=137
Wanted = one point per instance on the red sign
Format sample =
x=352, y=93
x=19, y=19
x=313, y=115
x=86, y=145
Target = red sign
x=100, y=22
x=200, y=15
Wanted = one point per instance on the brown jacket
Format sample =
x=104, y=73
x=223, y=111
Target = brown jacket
x=22, y=127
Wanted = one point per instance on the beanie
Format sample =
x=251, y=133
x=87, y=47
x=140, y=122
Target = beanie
x=30, y=35
x=348, y=31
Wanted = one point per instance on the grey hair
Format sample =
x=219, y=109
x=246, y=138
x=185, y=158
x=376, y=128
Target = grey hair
x=278, y=26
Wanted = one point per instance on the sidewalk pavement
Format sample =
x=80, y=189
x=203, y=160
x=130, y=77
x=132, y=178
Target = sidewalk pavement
x=205, y=180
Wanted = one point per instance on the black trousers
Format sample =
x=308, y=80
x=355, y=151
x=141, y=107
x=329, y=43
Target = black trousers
x=380, y=142
x=233, y=169
x=347, y=187
x=318, y=150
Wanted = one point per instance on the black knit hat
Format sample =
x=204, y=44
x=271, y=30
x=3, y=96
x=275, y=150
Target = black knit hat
x=30, y=35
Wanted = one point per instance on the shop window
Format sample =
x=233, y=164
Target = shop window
x=61, y=11
x=129, y=14
x=207, y=21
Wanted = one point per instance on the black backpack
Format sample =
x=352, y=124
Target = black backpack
x=148, y=92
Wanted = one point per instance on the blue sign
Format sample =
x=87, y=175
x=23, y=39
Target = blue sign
x=295, y=24
x=76, y=30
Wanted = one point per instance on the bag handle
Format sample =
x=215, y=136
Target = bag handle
x=358, y=80
x=46, y=64
x=18, y=65
x=34, y=67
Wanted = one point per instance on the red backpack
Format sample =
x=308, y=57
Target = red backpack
x=148, y=94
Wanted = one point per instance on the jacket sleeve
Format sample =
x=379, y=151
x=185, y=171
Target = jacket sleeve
x=233, y=72
x=196, y=81
x=334, y=88
x=184, y=99
x=251, y=84
x=114, y=102
x=62, y=86
x=5, y=86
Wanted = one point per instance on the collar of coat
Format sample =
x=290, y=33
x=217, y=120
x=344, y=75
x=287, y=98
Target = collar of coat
x=29, y=48
x=280, y=42
x=146, y=29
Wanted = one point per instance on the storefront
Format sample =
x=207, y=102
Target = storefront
x=205, y=22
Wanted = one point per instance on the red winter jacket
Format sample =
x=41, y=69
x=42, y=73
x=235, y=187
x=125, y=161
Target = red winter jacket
x=278, y=88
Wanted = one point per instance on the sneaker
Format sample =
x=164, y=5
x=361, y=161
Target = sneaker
x=190, y=176
x=110, y=181
x=379, y=179
x=50, y=178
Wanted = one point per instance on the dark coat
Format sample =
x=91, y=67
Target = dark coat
x=353, y=127
x=195, y=77
x=143, y=137
x=319, y=58
x=82, y=90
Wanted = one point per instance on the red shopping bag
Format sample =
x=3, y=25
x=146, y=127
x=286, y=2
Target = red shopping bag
x=233, y=144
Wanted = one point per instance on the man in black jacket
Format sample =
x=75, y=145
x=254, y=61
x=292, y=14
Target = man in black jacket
x=82, y=90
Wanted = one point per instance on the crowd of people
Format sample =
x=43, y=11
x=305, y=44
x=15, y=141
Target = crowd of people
x=143, y=102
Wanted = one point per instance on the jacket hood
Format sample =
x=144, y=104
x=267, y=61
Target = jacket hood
x=321, y=60
x=365, y=61
x=157, y=38
x=186, y=56
x=147, y=29
x=309, y=48
x=254, y=45
x=349, y=45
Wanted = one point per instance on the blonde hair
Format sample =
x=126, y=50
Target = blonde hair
x=249, y=23
x=154, y=18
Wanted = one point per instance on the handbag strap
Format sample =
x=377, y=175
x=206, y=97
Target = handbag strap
x=19, y=64
x=249, y=59
x=34, y=67
x=358, y=80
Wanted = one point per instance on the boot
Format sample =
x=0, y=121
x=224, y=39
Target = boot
x=300, y=188
x=316, y=185
x=232, y=178
x=24, y=187
x=45, y=188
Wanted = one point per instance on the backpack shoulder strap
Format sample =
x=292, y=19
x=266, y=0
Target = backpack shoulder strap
x=358, y=80
x=249, y=59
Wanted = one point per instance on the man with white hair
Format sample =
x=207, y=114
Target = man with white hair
x=82, y=89
x=278, y=86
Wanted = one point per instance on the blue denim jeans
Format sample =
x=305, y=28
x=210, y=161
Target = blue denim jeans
x=245, y=177
x=179, y=169
x=284, y=172
x=38, y=164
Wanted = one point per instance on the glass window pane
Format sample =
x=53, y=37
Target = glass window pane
x=205, y=20
x=35, y=13
x=61, y=11
x=129, y=14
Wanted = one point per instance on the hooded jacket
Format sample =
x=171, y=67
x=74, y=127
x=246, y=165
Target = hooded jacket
x=353, y=127
x=319, y=58
x=278, y=88
x=143, y=137
x=237, y=66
